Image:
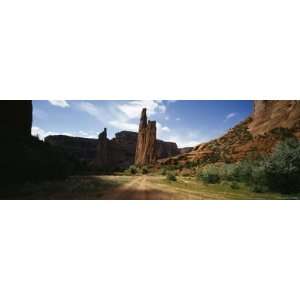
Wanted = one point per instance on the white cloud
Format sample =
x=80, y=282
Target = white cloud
x=41, y=133
x=60, y=103
x=161, y=128
x=91, y=109
x=183, y=141
x=178, y=119
x=133, y=109
x=229, y=116
x=124, y=125
x=124, y=116
x=184, y=138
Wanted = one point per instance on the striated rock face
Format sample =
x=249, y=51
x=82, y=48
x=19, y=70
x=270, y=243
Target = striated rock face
x=270, y=114
x=16, y=118
x=146, y=143
x=270, y=123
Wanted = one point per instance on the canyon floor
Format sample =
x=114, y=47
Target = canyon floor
x=143, y=187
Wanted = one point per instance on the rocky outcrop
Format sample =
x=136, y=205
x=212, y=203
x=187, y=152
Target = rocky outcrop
x=15, y=118
x=146, y=143
x=270, y=123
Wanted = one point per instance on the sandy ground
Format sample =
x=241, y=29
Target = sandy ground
x=149, y=187
x=141, y=187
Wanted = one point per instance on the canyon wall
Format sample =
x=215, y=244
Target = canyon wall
x=270, y=122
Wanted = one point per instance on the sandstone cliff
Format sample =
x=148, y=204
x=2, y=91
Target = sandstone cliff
x=270, y=123
x=146, y=143
x=270, y=114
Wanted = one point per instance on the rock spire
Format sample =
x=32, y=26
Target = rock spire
x=146, y=144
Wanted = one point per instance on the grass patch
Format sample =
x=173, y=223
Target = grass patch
x=223, y=190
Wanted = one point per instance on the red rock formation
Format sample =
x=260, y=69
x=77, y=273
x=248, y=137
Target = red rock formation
x=146, y=144
x=16, y=118
x=121, y=148
x=270, y=123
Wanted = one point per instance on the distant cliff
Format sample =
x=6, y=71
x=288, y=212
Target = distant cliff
x=81, y=148
x=118, y=152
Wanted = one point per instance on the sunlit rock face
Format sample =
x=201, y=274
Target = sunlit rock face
x=270, y=114
x=146, y=143
x=15, y=118
x=270, y=123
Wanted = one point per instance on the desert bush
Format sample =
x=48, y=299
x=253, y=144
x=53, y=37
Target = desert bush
x=145, y=170
x=279, y=172
x=234, y=185
x=282, y=168
x=171, y=177
x=190, y=164
x=132, y=170
x=209, y=174
x=163, y=171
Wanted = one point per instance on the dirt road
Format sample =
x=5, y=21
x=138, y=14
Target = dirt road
x=140, y=187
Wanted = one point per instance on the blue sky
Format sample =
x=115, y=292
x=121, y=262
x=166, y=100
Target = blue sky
x=187, y=123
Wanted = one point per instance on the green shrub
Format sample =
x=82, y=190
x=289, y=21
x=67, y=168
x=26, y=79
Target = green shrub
x=132, y=170
x=190, y=164
x=171, y=177
x=209, y=175
x=145, y=170
x=234, y=185
x=282, y=169
x=279, y=172
x=163, y=171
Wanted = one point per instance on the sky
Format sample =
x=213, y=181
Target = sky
x=188, y=123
